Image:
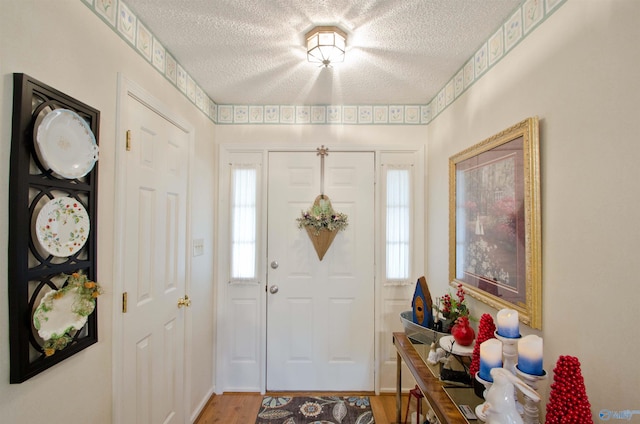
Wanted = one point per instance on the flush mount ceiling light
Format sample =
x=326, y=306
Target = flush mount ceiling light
x=326, y=45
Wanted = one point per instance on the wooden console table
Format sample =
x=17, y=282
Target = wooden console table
x=432, y=387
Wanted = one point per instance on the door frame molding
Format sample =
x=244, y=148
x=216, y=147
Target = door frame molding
x=128, y=88
x=222, y=286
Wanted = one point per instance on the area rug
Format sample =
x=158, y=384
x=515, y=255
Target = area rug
x=315, y=410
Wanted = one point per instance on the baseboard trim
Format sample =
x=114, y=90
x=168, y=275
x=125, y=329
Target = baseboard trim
x=203, y=403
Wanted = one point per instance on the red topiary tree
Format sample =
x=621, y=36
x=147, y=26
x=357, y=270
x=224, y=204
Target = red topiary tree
x=568, y=401
x=486, y=330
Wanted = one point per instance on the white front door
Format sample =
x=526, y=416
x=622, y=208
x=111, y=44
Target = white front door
x=154, y=255
x=320, y=321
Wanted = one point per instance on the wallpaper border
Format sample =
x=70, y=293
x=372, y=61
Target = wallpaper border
x=117, y=15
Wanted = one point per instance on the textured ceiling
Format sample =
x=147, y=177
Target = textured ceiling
x=252, y=51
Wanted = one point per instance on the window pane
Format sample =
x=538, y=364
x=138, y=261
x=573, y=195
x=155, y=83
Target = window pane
x=243, y=223
x=398, y=224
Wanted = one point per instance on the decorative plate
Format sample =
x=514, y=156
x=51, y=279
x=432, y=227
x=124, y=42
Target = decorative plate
x=62, y=226
x=65, y=144
x=62, y=311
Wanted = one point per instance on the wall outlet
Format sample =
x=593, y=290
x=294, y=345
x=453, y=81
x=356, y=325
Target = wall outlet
x=198, y=247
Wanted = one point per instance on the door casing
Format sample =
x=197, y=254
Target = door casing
x=128, y=88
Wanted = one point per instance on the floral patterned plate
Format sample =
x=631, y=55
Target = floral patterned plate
x=62, y=226
x=61, y=311
x=65, y=144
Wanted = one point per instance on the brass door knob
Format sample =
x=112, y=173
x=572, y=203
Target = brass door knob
x=184, y=301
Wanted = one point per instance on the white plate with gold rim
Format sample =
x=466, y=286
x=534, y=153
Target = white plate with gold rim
x=65, y=144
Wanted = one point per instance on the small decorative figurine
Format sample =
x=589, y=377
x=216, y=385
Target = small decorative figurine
x=436, y=354
x=500, y=405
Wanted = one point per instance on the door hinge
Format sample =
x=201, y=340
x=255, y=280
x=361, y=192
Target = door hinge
x=128, y=144
x=124, y=302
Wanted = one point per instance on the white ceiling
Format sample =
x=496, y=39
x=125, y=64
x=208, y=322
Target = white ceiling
x=252, y=51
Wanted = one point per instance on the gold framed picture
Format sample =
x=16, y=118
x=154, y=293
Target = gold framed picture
x=494, y=221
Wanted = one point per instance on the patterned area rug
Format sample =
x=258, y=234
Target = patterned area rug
x=315, y=410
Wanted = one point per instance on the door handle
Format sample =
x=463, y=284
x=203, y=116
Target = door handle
x=184, y=301
x=273, y=289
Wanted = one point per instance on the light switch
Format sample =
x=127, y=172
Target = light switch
x=198, y=247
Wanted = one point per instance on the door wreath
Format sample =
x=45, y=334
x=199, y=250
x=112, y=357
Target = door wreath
x=322, y=224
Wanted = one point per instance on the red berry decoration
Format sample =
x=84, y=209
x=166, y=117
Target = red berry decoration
x=568, y=401
x=462, y=332
x=486, y=331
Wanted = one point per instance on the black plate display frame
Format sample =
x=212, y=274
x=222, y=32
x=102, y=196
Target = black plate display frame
x=32, y=272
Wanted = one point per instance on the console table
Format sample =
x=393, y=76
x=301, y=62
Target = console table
x=443, y=399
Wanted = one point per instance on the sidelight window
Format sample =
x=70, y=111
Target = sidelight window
x=398, y=223
x=244, y=199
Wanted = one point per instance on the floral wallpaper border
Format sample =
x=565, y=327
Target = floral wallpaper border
x=117, y=15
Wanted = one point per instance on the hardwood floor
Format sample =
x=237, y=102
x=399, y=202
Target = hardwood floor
x=242, y=408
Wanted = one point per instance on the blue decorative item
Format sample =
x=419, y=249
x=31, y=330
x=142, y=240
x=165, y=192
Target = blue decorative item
x=422, y=304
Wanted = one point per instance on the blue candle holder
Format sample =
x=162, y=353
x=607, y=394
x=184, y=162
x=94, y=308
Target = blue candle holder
x=530, y=366
x=509, y=332
x=486, y=367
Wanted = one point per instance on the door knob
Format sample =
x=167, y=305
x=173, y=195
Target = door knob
x=274, y=265
x=273, y=289
x=184, y=301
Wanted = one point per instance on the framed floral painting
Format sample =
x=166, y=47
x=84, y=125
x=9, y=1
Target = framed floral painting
x=494, y=221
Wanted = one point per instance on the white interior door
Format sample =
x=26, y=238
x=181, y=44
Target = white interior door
x=320, y=322
x=154, y=267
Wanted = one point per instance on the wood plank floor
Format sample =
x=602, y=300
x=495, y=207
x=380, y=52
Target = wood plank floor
x=242, y=408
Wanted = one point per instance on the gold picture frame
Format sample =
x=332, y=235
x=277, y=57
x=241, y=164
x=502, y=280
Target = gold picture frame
x=494, y=221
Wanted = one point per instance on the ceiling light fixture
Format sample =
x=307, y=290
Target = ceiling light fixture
x=326, y=45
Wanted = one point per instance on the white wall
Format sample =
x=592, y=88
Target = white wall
x=63, y=44
x=579, y=74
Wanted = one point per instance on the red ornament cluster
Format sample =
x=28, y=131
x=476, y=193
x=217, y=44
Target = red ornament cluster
x=568, y=401
x=486, y=331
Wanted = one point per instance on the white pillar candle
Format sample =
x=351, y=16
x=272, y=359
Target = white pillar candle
x=490, y=357
x=508, y=325
x=530, y=355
